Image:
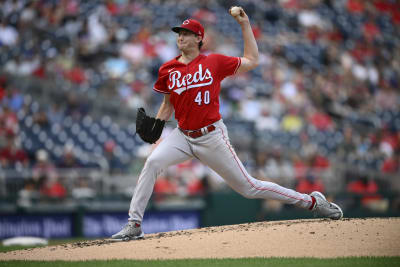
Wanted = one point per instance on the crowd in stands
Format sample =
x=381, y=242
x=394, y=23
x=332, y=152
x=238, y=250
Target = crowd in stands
x=326, y=93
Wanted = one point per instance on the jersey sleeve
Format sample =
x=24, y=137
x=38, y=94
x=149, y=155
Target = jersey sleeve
x=227, y=65
x=161, y=83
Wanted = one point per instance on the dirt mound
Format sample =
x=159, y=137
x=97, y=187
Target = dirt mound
x=298, y=238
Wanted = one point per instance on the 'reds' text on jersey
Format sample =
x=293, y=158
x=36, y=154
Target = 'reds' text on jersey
x=195, y=87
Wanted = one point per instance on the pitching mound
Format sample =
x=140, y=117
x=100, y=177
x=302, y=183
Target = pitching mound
x=299, y=238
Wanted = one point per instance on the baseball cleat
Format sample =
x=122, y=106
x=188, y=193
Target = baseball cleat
x=131, y=231
x=325, y=208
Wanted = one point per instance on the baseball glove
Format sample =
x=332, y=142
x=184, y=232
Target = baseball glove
x=148, y=128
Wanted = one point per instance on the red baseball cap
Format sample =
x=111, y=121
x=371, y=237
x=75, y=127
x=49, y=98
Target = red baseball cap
x=191, y=25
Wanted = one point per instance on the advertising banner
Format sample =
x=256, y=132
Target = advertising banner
x=47, y=226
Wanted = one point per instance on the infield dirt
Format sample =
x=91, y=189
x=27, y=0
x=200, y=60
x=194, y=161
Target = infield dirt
x=297, y=238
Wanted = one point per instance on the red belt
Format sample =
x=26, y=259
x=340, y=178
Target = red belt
x=198, y=133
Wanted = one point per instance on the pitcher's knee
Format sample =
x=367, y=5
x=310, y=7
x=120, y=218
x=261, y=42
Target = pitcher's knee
x=247, y=194
x=153, y=164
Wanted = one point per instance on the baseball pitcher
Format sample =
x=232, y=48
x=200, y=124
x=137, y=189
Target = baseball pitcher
x=191, y=86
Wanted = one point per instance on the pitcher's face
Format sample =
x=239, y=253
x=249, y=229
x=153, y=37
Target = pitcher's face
x=187, y=40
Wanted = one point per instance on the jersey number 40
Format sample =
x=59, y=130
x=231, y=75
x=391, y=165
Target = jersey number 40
x=205, y=99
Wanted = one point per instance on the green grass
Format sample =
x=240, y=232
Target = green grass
x=11, y=248
x=280, y=262
x=51, y=243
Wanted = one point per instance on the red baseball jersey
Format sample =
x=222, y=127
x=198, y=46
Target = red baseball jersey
x=195, y=87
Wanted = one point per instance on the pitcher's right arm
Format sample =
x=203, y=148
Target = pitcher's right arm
x=249, y=60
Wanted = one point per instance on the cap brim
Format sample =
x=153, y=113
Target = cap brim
x=177, y=29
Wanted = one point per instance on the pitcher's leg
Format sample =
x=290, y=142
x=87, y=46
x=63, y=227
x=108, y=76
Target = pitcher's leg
x=172, y=150
x=219, y=155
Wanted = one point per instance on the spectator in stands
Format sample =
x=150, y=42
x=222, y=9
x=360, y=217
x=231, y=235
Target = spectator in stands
x=83, y=189
x=347, y=147
x=14, y=100
x=267, y=121
x=318, y=163
x=28, y=15
x=28, y=193
x=320, y=120
x=23, y=64
x=292, y=122
x=165, y=186
x=52, y=188
x=76, y=75
x=8, y=34
x=43, y=169
x=12, y=156
x=309, y=184
x=190, y=174
x=196, y=186
x=387, y=97
x=300, y=166
x=3, y=85
x=392, y=164
x=41, y=119
x=8, y=121
x=368, y=192
x=68, y=160
x=55, y=113
x=76, y=106
x=275, y=166
x=115, y=165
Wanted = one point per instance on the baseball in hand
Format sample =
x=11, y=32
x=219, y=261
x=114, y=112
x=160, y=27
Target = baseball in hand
x=235, y=11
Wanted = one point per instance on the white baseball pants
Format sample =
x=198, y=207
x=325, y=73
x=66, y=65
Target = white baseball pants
x=214, y=150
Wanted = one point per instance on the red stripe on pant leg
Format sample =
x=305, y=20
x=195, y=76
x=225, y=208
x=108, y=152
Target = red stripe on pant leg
x=247, y=178
x=312, y=203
